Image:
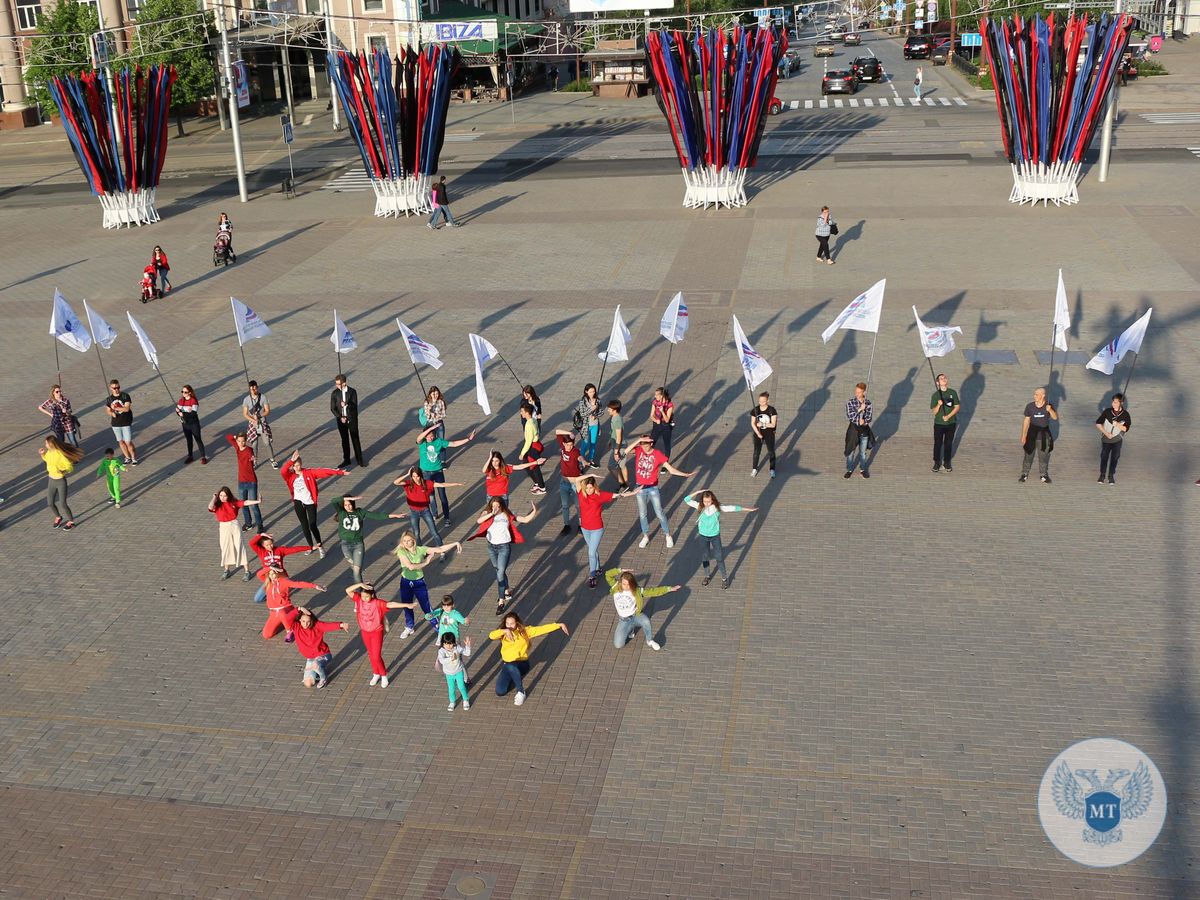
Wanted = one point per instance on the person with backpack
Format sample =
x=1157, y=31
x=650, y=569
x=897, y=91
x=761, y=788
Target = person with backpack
x=60, y=460
x=371, y=613
x=441, y=206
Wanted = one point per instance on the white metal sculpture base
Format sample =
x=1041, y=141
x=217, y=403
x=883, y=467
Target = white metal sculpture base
x=129, y=208
x=1057, y=184
x=714, y=187
x=402, y=196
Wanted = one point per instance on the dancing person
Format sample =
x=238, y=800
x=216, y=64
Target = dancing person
x=662, y=420
x=859, y=436
x=302, y=488
x=945, y=406
x=63, y=424
x=451, y=661
x=277, y=592
x=591, y=519
x=343, y=404
x=419, y=494
x=413, y=559
x=447, y=618
x=255, y=409
x=530, y=396
x=271, y=557
x=499, y=525
x=708, y=524
x=60, y=460
x=532, y=449
x=515, y=637
x=431, y=450
x=310, y=633
x=647, y=465
x=119, y=406
x=1112, y=424
x=616, y=444
x=223, y=224
x=371, y=612
x=587, y=412
x=188, y=410
x=763, y=421
x=233, y=551
x=630, y=600
x=350, y=521
x=441, y=206
x=569, y=469
x=158, y=259
x=433, y=412
x=110, y=470
x=496, y=472
x=247, y=480
x=825, y=226
x=1036, y=436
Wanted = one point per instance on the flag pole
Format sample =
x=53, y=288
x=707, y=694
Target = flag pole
x=932, y=374
x=1128, y=377
x=1053, y=336
x=670, y=347
x=57, y=364
x=871, y=364
x=336, y=348
x=96, y=344
x=170, y=396
x=510, y=369
x=245, y=368
x=416, y=371
x=600, y=383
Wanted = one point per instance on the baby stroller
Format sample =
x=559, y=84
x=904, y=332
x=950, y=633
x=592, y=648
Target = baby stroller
x=149, y=284
x=222, y=251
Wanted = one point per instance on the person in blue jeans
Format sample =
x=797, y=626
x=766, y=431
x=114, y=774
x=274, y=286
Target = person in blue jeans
x=432, y=450
x=570, y=468
x=588, y=409
x=515, y=637
x=441, y=205
x=498, y=524
x=412, y=576
x=859, y=436
x=647, y=462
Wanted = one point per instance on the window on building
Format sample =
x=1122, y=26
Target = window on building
x=378, y=42
x=132, y=7
x=372, y=5
x=27, y=13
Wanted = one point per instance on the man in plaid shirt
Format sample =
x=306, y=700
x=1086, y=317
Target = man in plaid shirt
x=858, y=432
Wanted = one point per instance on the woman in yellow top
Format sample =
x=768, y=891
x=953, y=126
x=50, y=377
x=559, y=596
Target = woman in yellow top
x=629, y=599
x=514, y=640
x=60, y=462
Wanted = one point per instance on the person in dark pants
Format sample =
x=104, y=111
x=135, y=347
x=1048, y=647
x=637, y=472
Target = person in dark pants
x=441, y=205
x=1036, y=436
x=302, y=488
x=763, y=420
x=945, y=405
x=188, y=410
x=825, y=227
x=343, y=403
x=1112, y=424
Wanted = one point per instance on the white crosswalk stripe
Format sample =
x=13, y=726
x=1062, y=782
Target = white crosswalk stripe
x=350, y=180
x=1182, y=118
x=824, y=103
x=795, y=104
x=960, y=101
x=808, y=104
x=838, y=103
x=853, y=102
x=1195, y=151
x=869, y=101
x=928, y=101
x=914, y=101
x=943, y=101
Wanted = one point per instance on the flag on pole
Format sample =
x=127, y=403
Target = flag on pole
x=143, y=340
x=1113, y=352
x=343, y=340
x=103, y=333
x=483, y=351
x=938, y=340
x=862, y=314
x=420, y=351
x=247, y=322
x=618, y=341
x=66, y=327
x=755, y=368
x=1062, y=316
x=674, y=324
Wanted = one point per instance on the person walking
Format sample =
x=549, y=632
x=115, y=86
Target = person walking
x=271, y=557
x=310, y=641
x=277, y=592
x=1112, y=424
x=433, y=412
x=451, y=658
x=441, y=206
x=499, y=525
x=371, y=612
x=158, y=259
x=496, y=473
x=662, y=420
x=708, y=523
x=63, y=424
x=764, y=419
x=515, y=639
x=860, y=438
x=630, y=600
x=647, y=465
x=60, y=460
x=532, y=449
x=110, y=470
x=826, y=228
x=591, y=519
x=412, y=575
x=945, y=406
x=570, y=468
x=188, y=410
x=587, y=415
x=119, y=406
x=616, y=446
x=419, y=494
x=918, y=80
x=431, y=450
x=255, y=409
x=343, y=404
x=350, y=521
x=225, y=508
x=223, y=224
x=247, y=480
x=302, y=488
x=1036, y=436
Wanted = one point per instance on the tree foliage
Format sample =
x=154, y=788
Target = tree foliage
x=177, y=33
x=61, y=47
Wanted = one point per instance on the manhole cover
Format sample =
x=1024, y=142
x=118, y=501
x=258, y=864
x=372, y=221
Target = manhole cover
x=471, y=886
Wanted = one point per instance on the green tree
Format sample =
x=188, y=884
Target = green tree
x=61, y=48
x=177, y=33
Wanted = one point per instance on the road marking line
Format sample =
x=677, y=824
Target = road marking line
x=795, y=104
x=869, y=102
x=307, y=119
x=808, y=104
x=914, y=101
x=838, y=103
x=824, y=103
x=853, y=102
x=928, y=101
x=943, y=101
x=960, y=101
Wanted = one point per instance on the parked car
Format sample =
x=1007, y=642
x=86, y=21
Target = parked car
x=852, y=39
x=867, y=68
x=940, y=53
x=824, y=48
x=839, y=81
x=917, y=46
x=776, y=106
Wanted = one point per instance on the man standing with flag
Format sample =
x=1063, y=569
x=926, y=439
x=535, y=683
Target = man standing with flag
x=945, y=406
x=1036, y=436
x=119, y=406
x=343, y=404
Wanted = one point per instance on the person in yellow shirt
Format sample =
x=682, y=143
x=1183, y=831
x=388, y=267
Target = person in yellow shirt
x=60, y=462
x=514, y=640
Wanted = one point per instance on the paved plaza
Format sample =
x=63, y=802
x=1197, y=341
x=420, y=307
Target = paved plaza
x=866, y=712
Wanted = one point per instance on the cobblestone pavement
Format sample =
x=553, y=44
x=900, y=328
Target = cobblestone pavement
x=867, y=712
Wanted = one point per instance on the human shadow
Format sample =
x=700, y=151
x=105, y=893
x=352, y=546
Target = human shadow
x=969, y=393
x=490, y=206
x=887, y=423
x=849, y=236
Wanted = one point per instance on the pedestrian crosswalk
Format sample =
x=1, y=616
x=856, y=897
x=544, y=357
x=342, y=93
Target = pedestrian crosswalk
x=875, y=102
x=350, y=180
x=1195, y=151
x=1174, y=118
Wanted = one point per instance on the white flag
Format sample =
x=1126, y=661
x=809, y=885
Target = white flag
x=483, y=351
x=1113, y=352
x=755, y=368
x=862, y=314
x=418, y=350
x=1062, y=316
x=65, y=325
x=143, y=340
x=343, y=340
x=247, y=322
x=103, y=333
x=938, y=340
x=674, y=324
x=618, y=341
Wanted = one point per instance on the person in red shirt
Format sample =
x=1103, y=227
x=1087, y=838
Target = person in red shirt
x=302, y=488
x=591, y=520
x=646, y=463
x=279, y=589
x=310, y=641
x=233, y=551
x=371, y=612
x=496, y=472
x=569, y=469
x=418, y=491
x=271, y=557
x=247, y=479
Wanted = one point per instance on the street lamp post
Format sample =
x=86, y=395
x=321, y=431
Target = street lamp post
x=231, y=90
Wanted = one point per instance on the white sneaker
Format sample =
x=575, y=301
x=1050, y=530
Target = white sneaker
x=450, y=708
x=519, y=699
x=320, y=552
x=383, y=682
x=754, y=473
x=374, y=680
x=405, y=633
x=670, y=541
x=644, y=541
x=653, y=645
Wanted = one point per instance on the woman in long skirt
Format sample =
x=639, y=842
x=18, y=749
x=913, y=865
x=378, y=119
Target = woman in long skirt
x=225, y=506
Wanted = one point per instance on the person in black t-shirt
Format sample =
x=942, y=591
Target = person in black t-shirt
x=120, y=414
x=1035, y=435
x=763, y=421
x=1112, y=425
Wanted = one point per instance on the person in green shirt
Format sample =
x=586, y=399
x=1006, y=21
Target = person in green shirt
x=350, y=530
x=709, y=525
x=432, y=450
x=412, y=576
x=629, y=599
x=945, y=405
x=110, y=470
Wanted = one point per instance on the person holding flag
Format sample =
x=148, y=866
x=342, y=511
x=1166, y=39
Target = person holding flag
x=1036, y=436
x=255, y=409
x=343, y=404
x=1112, y=424
x=945, y=406
x=764, y=419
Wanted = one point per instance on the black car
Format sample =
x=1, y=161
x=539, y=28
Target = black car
x=939, y=54
x=839, y=81
x=917, y=46
x=867, y=68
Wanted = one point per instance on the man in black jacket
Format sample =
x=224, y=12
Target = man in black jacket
x=343, y=403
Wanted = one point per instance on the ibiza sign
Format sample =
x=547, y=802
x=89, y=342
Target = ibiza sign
x=453, y=32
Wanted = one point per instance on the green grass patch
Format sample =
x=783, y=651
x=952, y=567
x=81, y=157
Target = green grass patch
x=579, y=86
x=1150, y=67
x=984, y=82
